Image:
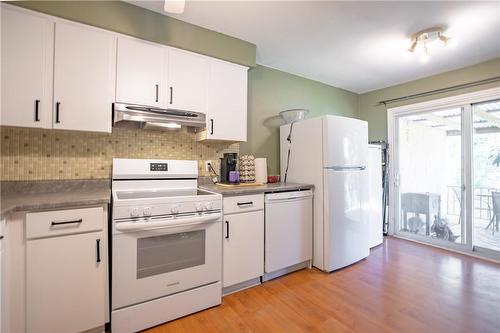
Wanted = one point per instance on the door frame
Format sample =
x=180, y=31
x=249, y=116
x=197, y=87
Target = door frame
x=465, y=101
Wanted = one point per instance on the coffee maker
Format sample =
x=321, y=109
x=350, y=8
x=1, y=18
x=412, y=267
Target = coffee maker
x=227, y=164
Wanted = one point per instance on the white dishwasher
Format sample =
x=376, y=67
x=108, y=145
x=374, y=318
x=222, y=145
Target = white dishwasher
x=288, y=232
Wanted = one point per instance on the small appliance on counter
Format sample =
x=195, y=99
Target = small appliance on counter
x=228, y=165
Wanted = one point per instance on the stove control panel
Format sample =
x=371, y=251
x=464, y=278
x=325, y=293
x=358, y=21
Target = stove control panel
x=146, y=211
x=134, y=212
x=158, y=166
x=174, y=209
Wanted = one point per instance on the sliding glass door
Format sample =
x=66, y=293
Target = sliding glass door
x=486, y=178
x=446, y=176
x=430, y=175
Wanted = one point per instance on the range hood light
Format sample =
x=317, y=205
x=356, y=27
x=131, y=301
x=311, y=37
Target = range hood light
x=165, y=125
x=159, y=118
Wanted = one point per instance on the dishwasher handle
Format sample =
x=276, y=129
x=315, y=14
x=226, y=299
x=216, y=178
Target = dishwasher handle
x=288, y=196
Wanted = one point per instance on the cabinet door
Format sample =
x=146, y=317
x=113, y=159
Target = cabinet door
x=243, y=253
x=227, y=102
x=140, y=77
x=187, y=77
x=66, y=283
x=84, y=76
x=27, y=66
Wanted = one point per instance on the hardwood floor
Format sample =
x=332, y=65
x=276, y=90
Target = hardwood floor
x=402, y=287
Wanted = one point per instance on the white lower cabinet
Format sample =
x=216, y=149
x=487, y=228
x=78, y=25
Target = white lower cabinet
x=66, y=272
x=65, y=283
x=243, y=249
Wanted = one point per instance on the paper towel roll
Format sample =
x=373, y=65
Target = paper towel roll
x=261, y=170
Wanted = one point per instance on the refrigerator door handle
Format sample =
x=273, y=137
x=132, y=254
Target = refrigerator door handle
x=346, y=168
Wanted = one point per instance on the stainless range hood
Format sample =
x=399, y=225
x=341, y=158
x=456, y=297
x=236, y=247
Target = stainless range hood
x=156, y=118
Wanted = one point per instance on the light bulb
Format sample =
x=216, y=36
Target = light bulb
x=451, y=42
x=424, y=57
x=174, y=6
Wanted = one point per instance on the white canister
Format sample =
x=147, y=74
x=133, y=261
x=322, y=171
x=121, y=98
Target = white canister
x=261, y=170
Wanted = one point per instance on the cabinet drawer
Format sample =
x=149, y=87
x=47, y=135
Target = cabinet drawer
x=243, y=203
x=63, y=222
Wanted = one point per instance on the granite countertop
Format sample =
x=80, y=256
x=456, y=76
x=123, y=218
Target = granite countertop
x=38, y=195
x=266, y=188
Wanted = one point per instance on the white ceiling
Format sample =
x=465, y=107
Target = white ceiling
x=358, y=46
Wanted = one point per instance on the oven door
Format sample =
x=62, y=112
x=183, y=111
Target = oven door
x=164, y=256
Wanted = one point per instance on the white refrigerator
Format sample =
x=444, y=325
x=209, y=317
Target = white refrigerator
x=331, y=152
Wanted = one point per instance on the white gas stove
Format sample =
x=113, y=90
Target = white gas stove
x=167, y=235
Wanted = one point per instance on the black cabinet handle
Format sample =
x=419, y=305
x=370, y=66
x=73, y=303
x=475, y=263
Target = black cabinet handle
x=227, y=229
x=156, y=87
x=66, y=222
x=98, y=245
x=245, y=203
x=171, y=95
x=57, y=112
x=211, y=126
x=37, y=103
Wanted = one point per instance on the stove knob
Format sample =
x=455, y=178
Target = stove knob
x=146, y=211
x=174, y=209
x=199, y=206
x=209, y=205
x=134, y=212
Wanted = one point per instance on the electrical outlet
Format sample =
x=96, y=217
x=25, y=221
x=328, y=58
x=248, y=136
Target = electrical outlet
x=206, y=165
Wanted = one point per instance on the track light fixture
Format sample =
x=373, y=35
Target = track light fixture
x=421, y=40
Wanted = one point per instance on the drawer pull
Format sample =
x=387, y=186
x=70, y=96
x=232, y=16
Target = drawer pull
x=248, y=203
x=67, y=222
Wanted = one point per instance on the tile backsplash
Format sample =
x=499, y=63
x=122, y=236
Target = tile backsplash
x=38, y=154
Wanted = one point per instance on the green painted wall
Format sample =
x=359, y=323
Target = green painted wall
x=138, y=22
x=271, y=91
x=376, y=115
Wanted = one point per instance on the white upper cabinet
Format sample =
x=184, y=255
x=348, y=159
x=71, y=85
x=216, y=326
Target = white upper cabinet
x=140, y=77
x=27, y=60
x=84, y=78
x=226, y=103
x=187, y=81
x=64, y=75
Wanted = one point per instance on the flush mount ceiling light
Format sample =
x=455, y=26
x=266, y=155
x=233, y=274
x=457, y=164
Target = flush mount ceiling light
x=174, y=6
x=422, y=40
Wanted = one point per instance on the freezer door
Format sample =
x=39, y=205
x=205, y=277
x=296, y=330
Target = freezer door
x=346, y=221
x=345, y=142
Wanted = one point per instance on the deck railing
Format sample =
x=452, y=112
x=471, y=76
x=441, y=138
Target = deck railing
x=482, y=201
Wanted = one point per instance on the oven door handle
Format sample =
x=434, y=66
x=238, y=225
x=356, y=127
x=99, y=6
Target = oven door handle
x=173, y=223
